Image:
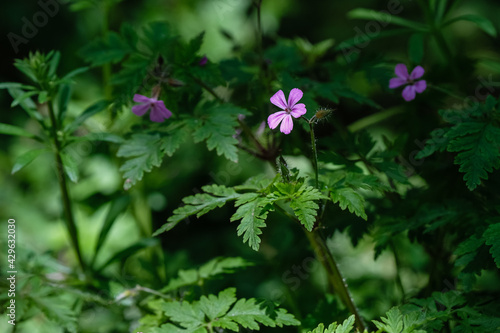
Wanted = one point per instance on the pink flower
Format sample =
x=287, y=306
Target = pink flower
x=290, y=108
x=158, y=110
x=413, y=87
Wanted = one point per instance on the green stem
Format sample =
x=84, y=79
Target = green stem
x=106, y=68
x=335, y=278
x=399, y=281
x=315, y=154
x=68, y=211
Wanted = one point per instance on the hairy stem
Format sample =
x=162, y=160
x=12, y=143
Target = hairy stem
x=315, y=154
x=68, y=210
x=335, y=277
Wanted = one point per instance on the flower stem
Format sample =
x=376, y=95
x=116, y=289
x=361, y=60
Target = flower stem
x=313, y=144
x=68, y=211
x=315, y=154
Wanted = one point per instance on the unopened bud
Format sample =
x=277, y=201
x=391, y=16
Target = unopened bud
x=322, y=113
x=174, y=82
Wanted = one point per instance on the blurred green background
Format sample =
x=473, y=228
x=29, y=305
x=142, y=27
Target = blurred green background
x=32, y=196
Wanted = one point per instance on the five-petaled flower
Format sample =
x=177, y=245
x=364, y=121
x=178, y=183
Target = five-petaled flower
x=158, y=110
x=290, y=108
x=413, y=87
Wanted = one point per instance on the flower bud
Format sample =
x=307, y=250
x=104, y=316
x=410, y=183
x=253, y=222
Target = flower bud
x=322, y=113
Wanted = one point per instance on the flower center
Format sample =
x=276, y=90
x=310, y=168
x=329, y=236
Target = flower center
x=287, y=110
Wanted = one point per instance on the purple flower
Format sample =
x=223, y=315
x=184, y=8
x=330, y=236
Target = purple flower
x=158, y=110
x=203, y=61
x=290, y=108
x=413, y=87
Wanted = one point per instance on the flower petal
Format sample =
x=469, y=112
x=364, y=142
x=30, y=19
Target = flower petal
x=401, y=71
x=298, y=110
x=420, y=86
x=279, y=99
x=295, y=96
x=159, y=112
x=274, y=119
x=141, y=109
x=287, y=124
x=143, y=99
x=417, y=73
x=396, y=82
x=409, y=93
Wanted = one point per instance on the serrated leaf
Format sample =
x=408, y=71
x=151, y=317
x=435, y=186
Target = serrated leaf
x=349, y=198
x=186, y=314
x=217, y=306
x=477, y=144
x=304, y=205
x=26, y=158
x=492, y=238
x=109, y=49
x=144, y=151
x=57, y=311
x=393, y=323
x=217, y=128
x=248, y=313
x=252, y=212
x=210, y=270
x=199, y=204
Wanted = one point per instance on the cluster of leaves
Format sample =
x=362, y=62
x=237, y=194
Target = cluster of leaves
x=474, y=136
x=254, y=200
x=224, y=310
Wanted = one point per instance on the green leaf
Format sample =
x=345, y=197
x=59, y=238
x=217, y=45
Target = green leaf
x=370, y=14
x=217, y=306
x=346, y=327
x=23, y=97
x=210, y=270
x=304, y=205
x=217, y=128
x=14, y=130
x=249, y=313
x=87, y=113
x=117, y=207
x=73, y=73
x=349, y=198
x=26, y=104
x=393, y=323
x=416, y=48
x=26, y=159
x=129, y=251
x=144, y=151
x=492, y=238
x=62, y=101
x=109, y=49
x=70, y=166
x=199, y=204
x=58, y=310
x=477, y=144
x=252, y=211
x=482, y=22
